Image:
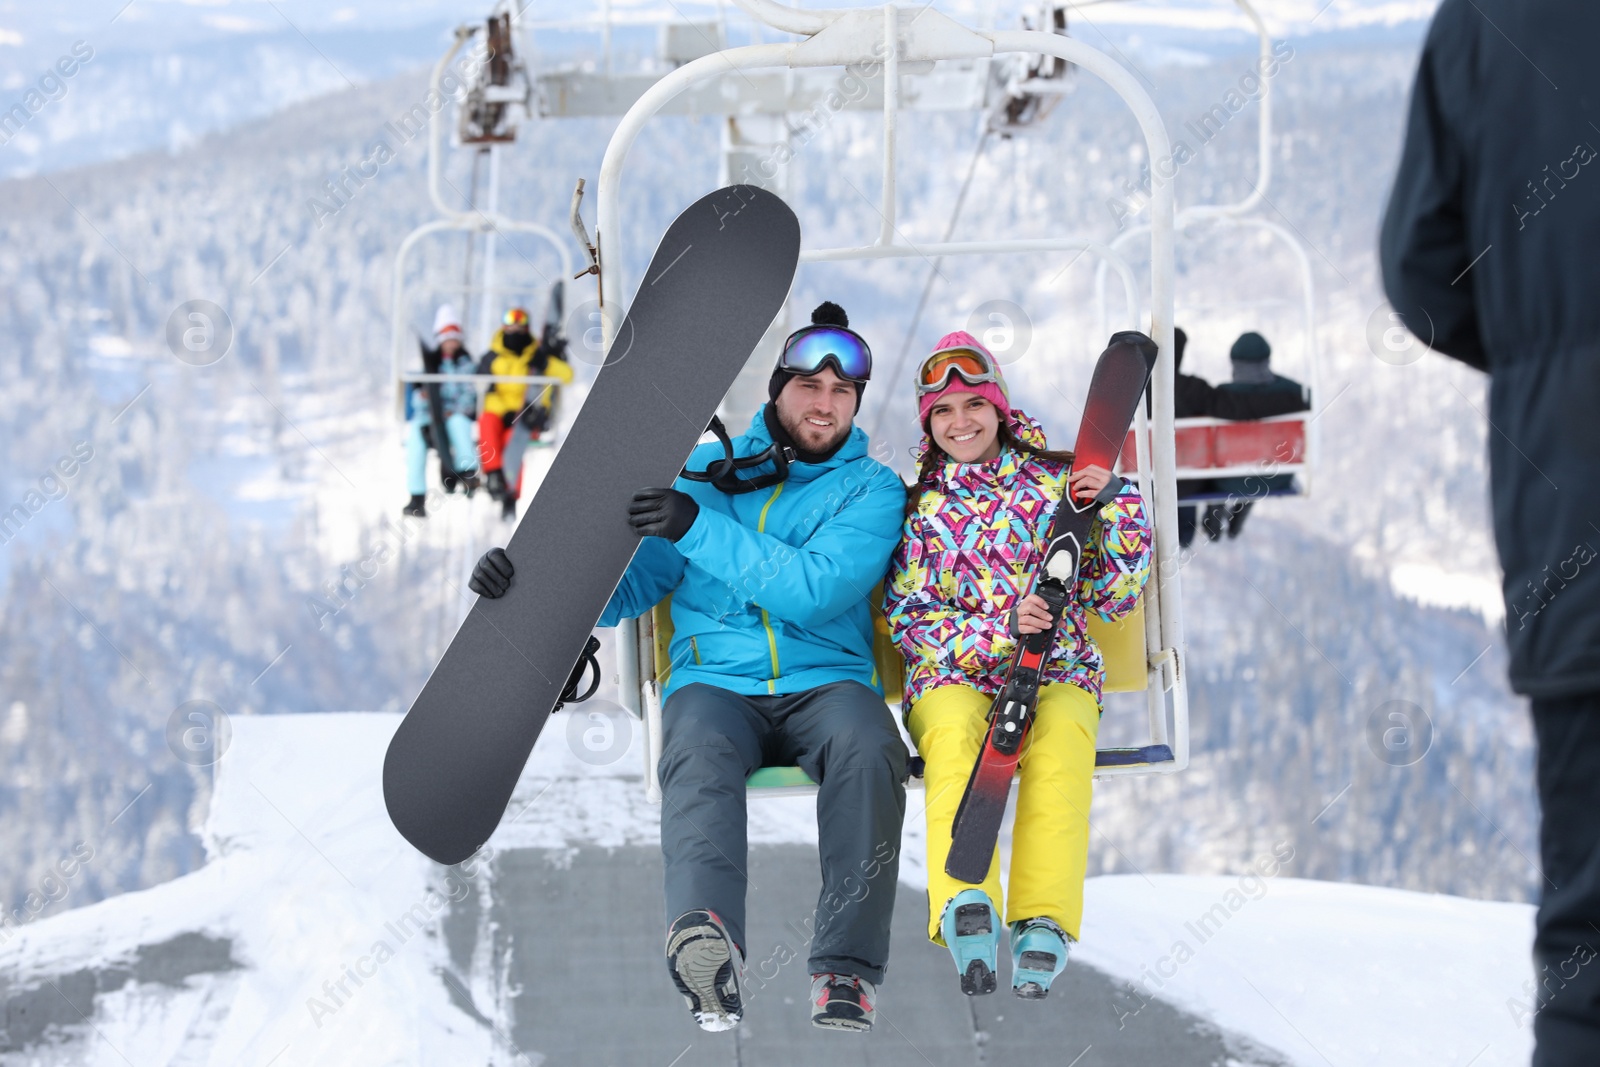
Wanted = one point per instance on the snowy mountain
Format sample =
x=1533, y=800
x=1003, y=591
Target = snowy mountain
x=314, y=935
x=202, y=547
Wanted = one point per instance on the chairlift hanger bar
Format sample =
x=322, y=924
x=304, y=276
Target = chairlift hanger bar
x=582, y=234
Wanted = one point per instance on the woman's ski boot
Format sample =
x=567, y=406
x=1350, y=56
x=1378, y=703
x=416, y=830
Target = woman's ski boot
x=971, y=930
x=1038, y=954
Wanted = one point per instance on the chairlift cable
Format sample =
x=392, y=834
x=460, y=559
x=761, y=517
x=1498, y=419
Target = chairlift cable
x=927, y=288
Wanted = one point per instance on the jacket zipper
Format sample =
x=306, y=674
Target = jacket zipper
x=766, y=622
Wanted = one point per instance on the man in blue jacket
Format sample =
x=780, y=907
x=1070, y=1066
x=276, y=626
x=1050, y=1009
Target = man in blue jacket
x=771, y=548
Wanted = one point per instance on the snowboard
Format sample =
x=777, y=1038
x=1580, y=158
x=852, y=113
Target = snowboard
x=718, y=279
x=1119, y=382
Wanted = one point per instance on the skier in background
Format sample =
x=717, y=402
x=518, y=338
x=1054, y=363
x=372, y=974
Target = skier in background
x=1191, y=397
x=1487, y=251
x=958, y=600
x=1255, y=393
x=769, y=567
x=458, y=402
x=509, y=418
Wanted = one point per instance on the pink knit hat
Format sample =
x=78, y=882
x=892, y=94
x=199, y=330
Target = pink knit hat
x=994, y=392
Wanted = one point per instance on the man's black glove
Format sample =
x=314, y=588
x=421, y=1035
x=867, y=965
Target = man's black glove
x=662, y=513
x=492, y=576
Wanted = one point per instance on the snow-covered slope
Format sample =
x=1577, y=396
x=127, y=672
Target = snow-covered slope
x=313, y=934
x=1325, y=972
x=305, y=883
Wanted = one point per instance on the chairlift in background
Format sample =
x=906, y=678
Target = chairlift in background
x=1208, y=448
x=497, y=99
x=1031, y=86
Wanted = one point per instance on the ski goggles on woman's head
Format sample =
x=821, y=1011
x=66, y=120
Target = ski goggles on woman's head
x=973, y=366
x=516, y=318
x=810, y=349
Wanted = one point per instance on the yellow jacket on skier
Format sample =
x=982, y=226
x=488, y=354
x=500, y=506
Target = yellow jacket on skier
x=508, y=398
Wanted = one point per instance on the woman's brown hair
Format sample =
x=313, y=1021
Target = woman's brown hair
x=935, y=458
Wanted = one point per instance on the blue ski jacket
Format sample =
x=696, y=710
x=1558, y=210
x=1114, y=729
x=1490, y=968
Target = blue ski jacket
x=770, y=589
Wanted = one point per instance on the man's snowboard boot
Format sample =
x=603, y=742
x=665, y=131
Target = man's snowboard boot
x=417, y=508
x=843, y=1002
x=1038, y=954
x=971, y=931
x=706, y=966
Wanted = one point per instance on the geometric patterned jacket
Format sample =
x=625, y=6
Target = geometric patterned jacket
x=967, y=555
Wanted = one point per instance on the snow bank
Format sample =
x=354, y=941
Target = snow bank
x=329, y=912
x=1328, y=973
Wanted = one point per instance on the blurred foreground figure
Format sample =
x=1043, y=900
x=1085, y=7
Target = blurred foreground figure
x=1488, y=254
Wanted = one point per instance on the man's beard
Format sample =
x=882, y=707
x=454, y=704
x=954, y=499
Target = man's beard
x=800, y=432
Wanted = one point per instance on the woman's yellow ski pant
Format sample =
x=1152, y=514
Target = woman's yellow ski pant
x=1050, y=839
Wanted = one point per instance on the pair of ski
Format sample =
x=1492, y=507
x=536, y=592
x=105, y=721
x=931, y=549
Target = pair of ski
x=1119, y=381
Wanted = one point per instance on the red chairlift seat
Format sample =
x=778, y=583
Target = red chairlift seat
x=1217, y=448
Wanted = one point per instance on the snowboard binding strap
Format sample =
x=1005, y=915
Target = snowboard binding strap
x=569, y=692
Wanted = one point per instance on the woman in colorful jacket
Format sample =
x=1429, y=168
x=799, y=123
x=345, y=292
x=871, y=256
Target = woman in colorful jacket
x=960, y=594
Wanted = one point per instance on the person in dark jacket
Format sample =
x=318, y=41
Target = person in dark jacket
x=1256, y=392
x=1191, y=396
x=1245, y=398
x=1487, y=255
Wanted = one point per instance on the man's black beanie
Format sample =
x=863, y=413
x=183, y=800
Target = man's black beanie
x=827, y=314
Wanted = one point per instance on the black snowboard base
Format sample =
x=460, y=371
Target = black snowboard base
x=719, y=277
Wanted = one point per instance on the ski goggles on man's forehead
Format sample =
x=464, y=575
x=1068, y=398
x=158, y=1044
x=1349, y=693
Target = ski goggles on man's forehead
x=973, y=366
x=810, y=349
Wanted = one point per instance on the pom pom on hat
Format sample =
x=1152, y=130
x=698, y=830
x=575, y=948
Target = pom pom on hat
x=828, y=313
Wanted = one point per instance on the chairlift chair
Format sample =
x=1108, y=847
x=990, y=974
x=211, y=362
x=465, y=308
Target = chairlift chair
x=1144, y=650
x=498, y=97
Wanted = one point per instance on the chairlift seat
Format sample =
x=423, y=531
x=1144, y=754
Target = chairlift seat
x=1219, y=448
x=1123, y=651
